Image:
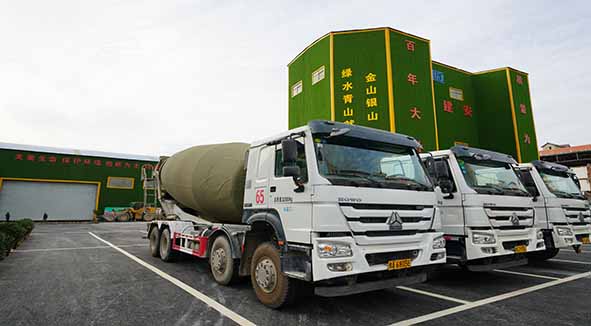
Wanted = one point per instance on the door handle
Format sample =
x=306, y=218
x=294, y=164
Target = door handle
x=272, y=189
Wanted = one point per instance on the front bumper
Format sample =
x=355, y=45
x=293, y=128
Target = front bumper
x=506, y=243
x=582, y=233
x=563, y=241
x=374, y=258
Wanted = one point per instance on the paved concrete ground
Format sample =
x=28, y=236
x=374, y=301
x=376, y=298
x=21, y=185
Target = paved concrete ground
x=63, y=275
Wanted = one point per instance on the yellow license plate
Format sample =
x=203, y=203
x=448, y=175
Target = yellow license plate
x=585, y=240
x=520, y=249
x=399, y=264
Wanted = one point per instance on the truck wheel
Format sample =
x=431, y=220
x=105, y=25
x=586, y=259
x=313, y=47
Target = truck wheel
x=166, y=252
x=222, y=265
x=155, y=242
x=543, y=255
x=123, y=217
x=273, y=288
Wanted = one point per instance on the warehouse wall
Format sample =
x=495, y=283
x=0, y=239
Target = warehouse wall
x=37, y=165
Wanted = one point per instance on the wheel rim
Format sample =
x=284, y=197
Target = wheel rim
x=266, y=275
x=218, y=261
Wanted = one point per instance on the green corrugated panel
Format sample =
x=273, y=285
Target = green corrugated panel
x=457, y=116
x=524, y=116
x=314, y=101
x=495, y=129
x=361, y=80
x=413, y=97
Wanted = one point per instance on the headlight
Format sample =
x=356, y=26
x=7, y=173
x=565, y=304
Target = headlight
x=439, y=243
x=540, y=235
x=483, y=238
x=564, y=231
x=333, y=249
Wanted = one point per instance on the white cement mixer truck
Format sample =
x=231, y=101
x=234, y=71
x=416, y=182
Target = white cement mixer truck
x=562, y=212
x=332, y=207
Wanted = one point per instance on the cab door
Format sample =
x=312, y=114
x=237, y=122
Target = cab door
x=293, y=203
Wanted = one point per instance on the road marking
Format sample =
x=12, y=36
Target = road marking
x=205, y=299
x=527, y=274
x=431, y=294
x=475, y=304
x=75, y=248
x=570, y=261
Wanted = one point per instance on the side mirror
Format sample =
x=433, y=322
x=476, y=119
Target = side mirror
x=291, y=171
x=446, y=186
x=289, y=151
x=429, y=163
x=441, y=171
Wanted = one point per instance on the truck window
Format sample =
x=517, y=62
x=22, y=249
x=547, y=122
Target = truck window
x=301, y=161
x=265, y=162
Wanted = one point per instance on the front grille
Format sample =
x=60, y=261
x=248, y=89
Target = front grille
x=384, y=257
x=405, y=219
x=511, y=227
x=386, y=206
x=503, y=208
x=506, y=218
x=510, y=245
x=386, y=233
x=578, y=209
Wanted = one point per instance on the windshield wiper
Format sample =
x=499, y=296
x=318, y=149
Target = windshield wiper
x=412, y=183
x=490, y=188
x=520, y=191
x=564, y=194
x=360, y=174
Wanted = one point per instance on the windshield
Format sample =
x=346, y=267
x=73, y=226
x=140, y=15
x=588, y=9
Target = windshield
x=354, y=162
x=561, y=184
x=491, y=177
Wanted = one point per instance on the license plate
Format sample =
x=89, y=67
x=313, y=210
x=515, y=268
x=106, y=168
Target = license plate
x=520, y=249
x=399, y=264
x=585, y=240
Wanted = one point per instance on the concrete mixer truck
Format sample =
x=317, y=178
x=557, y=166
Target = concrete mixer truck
x=328, y=207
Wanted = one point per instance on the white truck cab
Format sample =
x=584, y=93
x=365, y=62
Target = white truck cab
x=562, y=212
x=348, y=209
x=487, y=215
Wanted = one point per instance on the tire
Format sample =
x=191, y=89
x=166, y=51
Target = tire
x=165, y=250
x=154, y=242
x=223, y=267
x=274, y=289
x=123, y=217
x=543, y=255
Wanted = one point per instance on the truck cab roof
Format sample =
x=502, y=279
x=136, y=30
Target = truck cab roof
x=477, y=153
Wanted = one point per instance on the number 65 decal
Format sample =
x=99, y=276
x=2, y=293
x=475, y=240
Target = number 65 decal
x=260, y=196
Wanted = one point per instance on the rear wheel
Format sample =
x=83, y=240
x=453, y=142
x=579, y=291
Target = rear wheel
x=223, y=267
x=273, y=288
x=166, y=252
x=543, y=255
x=155, y=242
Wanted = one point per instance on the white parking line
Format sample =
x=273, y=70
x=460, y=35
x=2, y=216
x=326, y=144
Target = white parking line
x=527, y=274
x=431, y=294
x=205, y=299
x=504, y=296
x=570, y=261
x=76, y=248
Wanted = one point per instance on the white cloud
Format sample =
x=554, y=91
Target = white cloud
x=153, y=77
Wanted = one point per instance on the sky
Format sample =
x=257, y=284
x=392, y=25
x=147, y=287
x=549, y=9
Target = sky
x=154, y=77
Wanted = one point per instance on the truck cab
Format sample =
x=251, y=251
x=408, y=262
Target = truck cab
x=562, y=212
x=352, y=207
x=487, y=214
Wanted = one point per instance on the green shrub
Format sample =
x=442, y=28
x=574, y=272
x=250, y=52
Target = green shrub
x=7, y=242
x=27, y=224
x=14, y=230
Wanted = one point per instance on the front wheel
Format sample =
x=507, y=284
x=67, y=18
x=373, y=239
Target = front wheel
x=273, y=288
